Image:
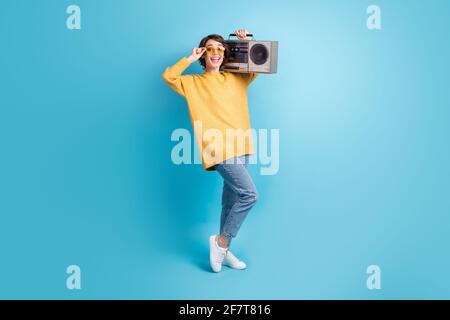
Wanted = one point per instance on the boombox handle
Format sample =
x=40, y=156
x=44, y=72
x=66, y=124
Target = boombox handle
x=234, y=35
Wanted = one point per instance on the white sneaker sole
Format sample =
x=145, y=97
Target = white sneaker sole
x=234, y=267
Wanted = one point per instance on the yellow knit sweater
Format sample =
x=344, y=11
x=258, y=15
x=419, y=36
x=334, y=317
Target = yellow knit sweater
x=218, y=107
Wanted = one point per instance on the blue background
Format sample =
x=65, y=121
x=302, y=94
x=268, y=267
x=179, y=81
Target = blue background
x=87, y=179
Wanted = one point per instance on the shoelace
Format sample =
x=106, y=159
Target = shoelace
x=222, y=254
x=220, y=257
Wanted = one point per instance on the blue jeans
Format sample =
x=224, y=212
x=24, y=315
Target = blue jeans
x=239, y=194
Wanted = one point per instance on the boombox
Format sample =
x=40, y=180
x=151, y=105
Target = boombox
x=252, y=56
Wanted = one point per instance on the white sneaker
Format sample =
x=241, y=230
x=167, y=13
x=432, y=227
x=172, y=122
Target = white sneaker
x=216, y=254
x=233, y=262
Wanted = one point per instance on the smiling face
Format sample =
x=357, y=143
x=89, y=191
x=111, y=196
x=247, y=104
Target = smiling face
x=214, y=55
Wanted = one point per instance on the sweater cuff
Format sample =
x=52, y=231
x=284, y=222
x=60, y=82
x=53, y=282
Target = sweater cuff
x=184, y=62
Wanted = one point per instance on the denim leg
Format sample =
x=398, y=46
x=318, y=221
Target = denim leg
x=228, y=199
x=239, y=195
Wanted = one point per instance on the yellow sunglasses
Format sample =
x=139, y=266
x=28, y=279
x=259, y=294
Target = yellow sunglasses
x=211, y=50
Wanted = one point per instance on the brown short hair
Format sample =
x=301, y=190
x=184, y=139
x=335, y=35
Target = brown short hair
x=218, y=38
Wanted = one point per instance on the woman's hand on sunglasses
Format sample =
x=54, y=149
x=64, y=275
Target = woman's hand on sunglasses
x=196, y=54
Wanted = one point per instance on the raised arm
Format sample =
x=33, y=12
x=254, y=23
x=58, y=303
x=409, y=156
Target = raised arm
x=173, y=75
x=243, y=34
x=249, y=77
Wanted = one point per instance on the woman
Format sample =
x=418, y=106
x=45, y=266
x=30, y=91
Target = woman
x=218, y=104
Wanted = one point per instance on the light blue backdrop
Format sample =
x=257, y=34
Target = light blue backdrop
x=86, y=176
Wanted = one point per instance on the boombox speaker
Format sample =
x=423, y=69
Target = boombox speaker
x=252, y=56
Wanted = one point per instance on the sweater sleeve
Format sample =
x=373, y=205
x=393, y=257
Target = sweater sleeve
x=172, y=76
x=248, y=77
